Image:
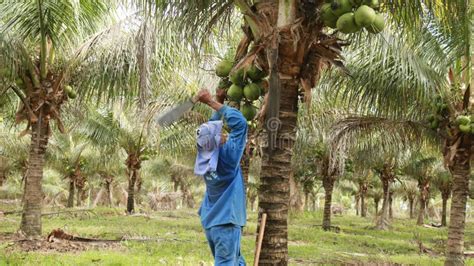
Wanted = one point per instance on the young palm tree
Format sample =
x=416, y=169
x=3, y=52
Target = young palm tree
x=419, y=167
x=120, y=130
x=409, y=191
x=66, y=157
x=442, y=180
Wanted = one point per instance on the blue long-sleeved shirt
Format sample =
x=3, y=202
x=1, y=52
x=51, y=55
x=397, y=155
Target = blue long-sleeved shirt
x=224, y=199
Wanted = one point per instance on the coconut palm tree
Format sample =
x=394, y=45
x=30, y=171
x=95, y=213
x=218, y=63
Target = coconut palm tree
x=409, y=191
x=120, y=130
x=420, y=167
x=50, y=47
x=442, y=180
x=442, y=51
x=270, y=25
x=67, y=158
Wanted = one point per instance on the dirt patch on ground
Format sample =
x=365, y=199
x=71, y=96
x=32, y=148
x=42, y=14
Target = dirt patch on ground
x=17, y=243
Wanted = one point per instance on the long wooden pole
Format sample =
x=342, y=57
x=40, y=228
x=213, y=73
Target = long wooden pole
x=260, y=239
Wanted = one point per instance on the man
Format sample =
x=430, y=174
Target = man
x=222, y=211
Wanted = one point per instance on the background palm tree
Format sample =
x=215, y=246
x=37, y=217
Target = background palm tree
x=442, y=180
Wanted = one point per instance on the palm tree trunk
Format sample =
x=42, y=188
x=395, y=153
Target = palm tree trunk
x=306, y=201
x=421, y=212
x=460, y=170
x=133, y=166
x=296, y=203
x=79, y=196
x=328, y=184
x=70, y=199
x=2, y=178
x=376, y=205
x=363, y=208
x=33, y=194
x=383, y=220
x=109, y=192
x=410, y=203
x=390, y=201
x=245, y=165
x=131, y=191
x=443, y=213
x=357, y=199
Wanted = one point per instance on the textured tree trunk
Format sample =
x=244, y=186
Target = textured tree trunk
x=133, y=167
x=390, y=201
x=70, y=199
x=421, y=212
x=245, y=165
x=376, y=205
x=306, y=201
x=386, y=177
x=33, y=194
x=131, y=192
x=2, y=178
x=109, y=193
x=79, y=196
x=274, y=191
x=296, y=203
x=410, y=204
x=443, y=213
x=328, y=184
x=383, y=220
x=363, y=208
x=357, y=201
x=460, y=170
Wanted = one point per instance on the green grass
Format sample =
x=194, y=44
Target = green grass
x=182, y=241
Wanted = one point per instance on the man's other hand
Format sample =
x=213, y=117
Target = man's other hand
x=204, y=96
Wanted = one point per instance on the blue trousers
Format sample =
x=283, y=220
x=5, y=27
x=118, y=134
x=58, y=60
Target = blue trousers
x=224, y=241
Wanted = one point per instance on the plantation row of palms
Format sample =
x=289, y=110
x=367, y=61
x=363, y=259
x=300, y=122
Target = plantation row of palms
x=347, y=105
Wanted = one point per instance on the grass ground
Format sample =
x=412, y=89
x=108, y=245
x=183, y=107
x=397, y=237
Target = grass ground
x=179, y=240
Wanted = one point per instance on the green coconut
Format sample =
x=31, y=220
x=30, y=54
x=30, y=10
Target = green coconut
x=255, y=73
x=252, y=91
x=70, y=92
x=463, y=120
x=377, y=25
x=441, y=107
x=434, y=124
x=340, y=7
x=465, y=128
x=249, y=111
x=238, y=77
x=223, y=68
x=235, y=93
x=346, y=23
x=224, y=83
x=364, y=16
x=327, y=16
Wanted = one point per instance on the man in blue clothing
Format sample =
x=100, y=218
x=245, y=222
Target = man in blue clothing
x=222, y=211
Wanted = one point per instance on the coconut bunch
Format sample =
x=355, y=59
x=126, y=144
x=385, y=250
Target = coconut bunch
x=465, y=124
x=441, y=112
x=350, y=16
x=244, y=86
